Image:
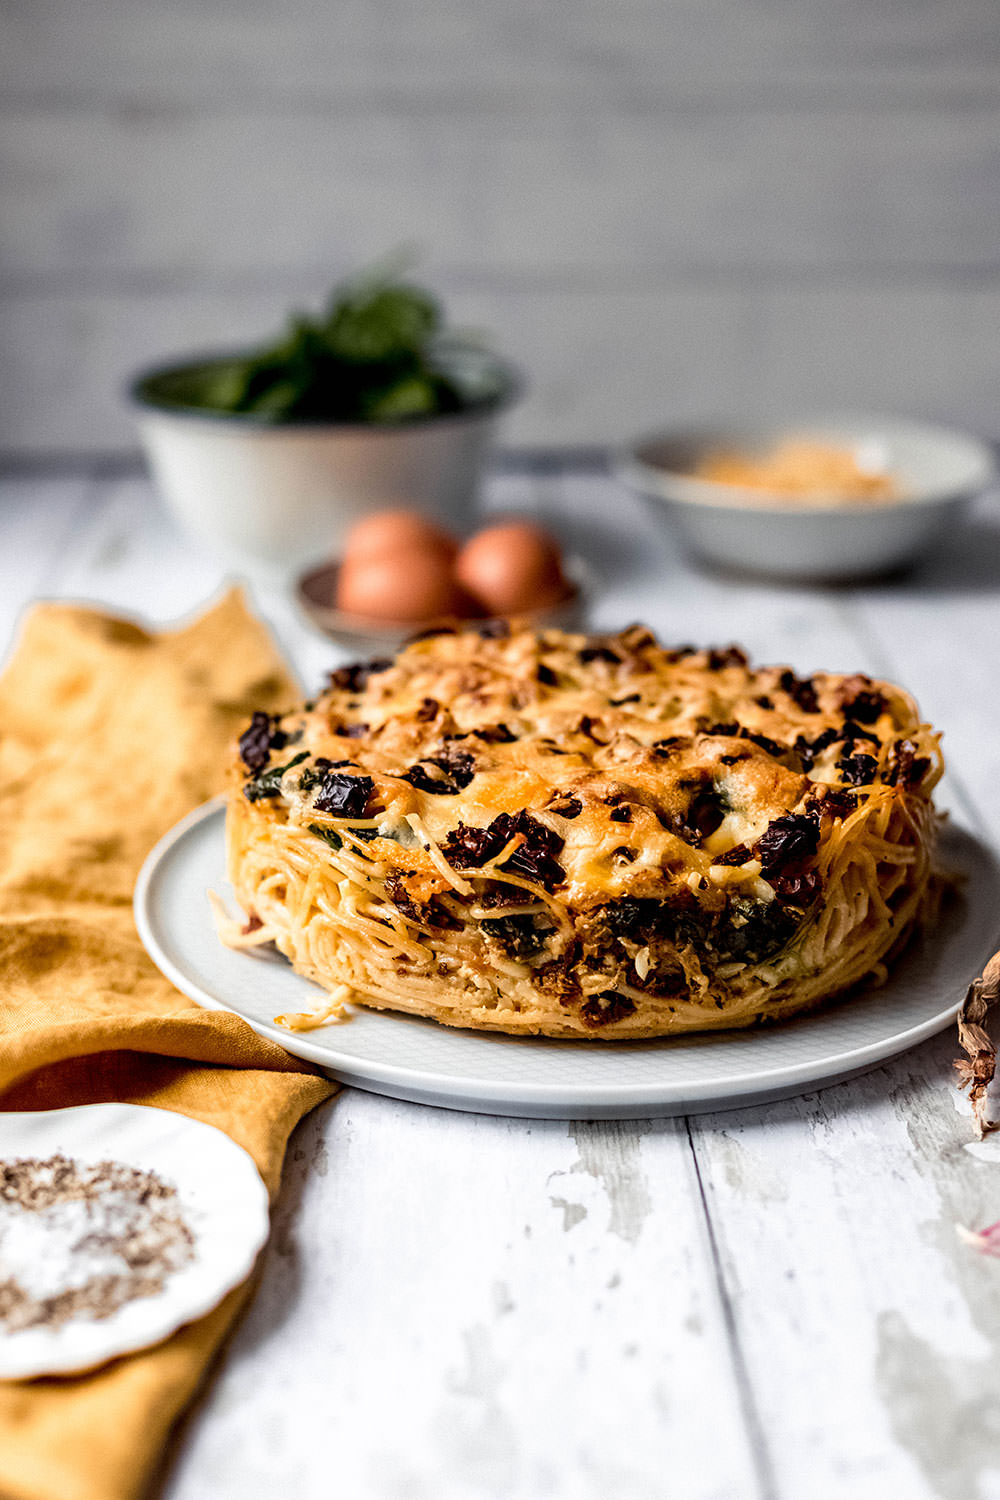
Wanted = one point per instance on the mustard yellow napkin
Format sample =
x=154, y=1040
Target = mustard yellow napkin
x=108, y=735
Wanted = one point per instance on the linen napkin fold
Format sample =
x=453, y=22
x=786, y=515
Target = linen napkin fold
x=108, y=735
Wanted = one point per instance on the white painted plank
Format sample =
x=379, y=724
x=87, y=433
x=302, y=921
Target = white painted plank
x=121, y=51
x=127, y=556
x=410, y=1338
x=917, y=350
x=38, y=519
x=871, y=1334
x=601, y=364
x=73, y=354
x=543, y=191
x=465, y=1308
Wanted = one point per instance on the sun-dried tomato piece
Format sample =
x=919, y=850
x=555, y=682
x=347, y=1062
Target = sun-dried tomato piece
x=442, y=775
x=850, y=732
x=785, y=841
x=857, y=770
x=354, y=678
x=311, y=776
x=907, y=768
x=468, y=847
x=810, y=750
x=606, y=1008
x=490, y=734
x=535, y=858
x=589, y=726
x=737, y=855
x=727, y=656
x=588, y=654
x=836, y=803
x=797, y=886
x=343, y=796
x=860, y=701
x=637, y=637
x=565, y=805
x=771, y=746
x=257, y=742
x=732, y=730
x=495, y=734
x=427, y=913
x=497, y=894
x=801, y=690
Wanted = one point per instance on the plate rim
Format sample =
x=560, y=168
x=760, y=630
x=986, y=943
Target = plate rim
x=790, y=1078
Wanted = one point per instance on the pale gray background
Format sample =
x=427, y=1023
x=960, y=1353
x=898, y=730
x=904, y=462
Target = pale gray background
x=660, y=208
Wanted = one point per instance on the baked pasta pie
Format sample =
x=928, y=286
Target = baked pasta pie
x=584, y=836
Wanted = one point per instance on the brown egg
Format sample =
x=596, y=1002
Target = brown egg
x=412, y=586
x=512, y=566
x=397, y=531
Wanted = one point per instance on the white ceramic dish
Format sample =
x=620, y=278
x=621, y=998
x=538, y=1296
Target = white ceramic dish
x=938, y=471
x=416, y=1059
x=219, y=1193
x=316, y=587
x=273, y=495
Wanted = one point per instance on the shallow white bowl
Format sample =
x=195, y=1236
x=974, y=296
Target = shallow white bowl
x=938, y=471
x=275, y=494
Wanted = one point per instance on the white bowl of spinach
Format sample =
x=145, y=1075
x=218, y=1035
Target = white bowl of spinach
x=271, y=455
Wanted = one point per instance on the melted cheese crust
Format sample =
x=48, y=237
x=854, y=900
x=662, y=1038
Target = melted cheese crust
x=675, y=798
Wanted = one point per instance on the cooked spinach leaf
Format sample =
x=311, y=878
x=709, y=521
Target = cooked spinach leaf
x=268, y=784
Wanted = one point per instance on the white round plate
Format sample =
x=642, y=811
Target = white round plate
x=220, y=1195
x=412, y=1058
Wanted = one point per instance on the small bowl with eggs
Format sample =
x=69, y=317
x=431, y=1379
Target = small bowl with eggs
x=400, y=573
x=816, y=500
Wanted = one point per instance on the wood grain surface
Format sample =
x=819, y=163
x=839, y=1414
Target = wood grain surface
x=769, y=1303
x=658, y=208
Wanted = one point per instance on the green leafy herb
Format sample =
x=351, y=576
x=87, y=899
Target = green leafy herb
x=268, y=783
x=374, y=356
x=329, y=834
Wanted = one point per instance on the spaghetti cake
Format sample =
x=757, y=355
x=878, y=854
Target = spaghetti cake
x=584, y=836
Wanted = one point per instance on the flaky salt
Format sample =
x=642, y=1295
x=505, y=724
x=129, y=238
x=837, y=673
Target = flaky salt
x=78, y=1241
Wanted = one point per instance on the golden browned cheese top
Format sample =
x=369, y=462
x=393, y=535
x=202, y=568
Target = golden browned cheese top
x=646, y=767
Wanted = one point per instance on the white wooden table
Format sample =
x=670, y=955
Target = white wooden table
x=765, y=1303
